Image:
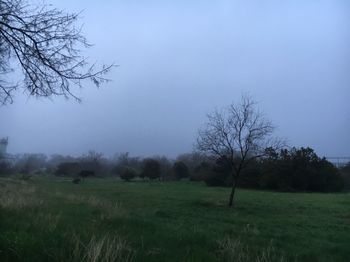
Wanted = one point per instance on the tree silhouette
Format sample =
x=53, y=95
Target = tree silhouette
x=239, y=134
x=45, y=45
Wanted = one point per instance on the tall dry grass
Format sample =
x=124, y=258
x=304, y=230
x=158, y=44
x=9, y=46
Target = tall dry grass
x=104, y=249
x=234, y=250
x=109, y=209
x=18, y=194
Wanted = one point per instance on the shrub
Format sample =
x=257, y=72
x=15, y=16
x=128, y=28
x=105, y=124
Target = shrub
x=76, y=180
x=68, y=169
x=345, y=173
x=219, y=174
x=180, y=170
x=297, y=169
x=94, y=161
x=5, y=167
x=128, y=173
x=151, y=169
x=24, y=177
x=86, y=173
x=200, y=172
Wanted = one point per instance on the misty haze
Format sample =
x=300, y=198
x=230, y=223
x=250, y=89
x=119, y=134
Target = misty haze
x=174, y=130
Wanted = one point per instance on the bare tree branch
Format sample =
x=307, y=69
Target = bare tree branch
x=46, y=46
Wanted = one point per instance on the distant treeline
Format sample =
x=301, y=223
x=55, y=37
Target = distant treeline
x=292, y=170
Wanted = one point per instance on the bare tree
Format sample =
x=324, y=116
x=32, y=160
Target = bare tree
x=239, y=134
x=46, y=45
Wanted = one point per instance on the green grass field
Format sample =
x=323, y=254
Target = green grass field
x=51, y=219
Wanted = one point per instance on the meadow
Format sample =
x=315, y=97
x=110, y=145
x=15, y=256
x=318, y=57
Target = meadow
x=52, y=219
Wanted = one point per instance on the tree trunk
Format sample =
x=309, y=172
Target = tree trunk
x=230, y=204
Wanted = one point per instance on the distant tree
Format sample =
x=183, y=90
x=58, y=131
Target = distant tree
x=124, y=160
x=68, y=169
x=286, y=170
x=57, y=159
x=193, y=159
x=239, y=134
x=180, y=170
x=128, y=173
x=151, y=169
x=299, y=169
x=165, y=166
x=45, y=45
x=93, y=161
x=30, y=163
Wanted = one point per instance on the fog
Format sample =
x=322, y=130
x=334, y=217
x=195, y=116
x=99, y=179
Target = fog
x=178, y=60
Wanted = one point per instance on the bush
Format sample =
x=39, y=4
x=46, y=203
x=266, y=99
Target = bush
x=345, y=173
x=219, y=174
x=24, y=177
x=151, y=169
x=76, y=180
x=68, y=169
x=287, y=170
x=180, y=170
x=124, y=160
x=128, y=173
x=5, y=167
x=201, y=171
x=94, y=162
x=301, y=170
x=166, y=168
x=86, y=173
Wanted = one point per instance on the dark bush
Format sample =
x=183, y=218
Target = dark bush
x=6, y=167
x=180, y=170
x=346, y=168
x=128, y=173
x=151, y=169
x=300, y=170
x=68, y=169
x=124, y=160
x=76, y=180
x=117, y=170
x=219, y=174
x=86, y=173
x=199, y=172
x=166, y=168
x=287, y=170
x=251, y=175
x=345, y=173
x=94, y=161
x=24, y=177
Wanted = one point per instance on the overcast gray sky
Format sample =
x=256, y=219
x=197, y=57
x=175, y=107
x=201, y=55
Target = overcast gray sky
x=180, y=59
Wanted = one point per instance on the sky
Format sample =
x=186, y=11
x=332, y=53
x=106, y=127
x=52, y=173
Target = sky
x=179, y=60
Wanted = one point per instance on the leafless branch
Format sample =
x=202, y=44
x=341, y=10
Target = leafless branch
x=47, y=46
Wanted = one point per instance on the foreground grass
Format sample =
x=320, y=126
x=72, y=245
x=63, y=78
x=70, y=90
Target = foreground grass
x=51, y=219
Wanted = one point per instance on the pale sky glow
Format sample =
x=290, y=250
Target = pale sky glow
x=181, y=59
